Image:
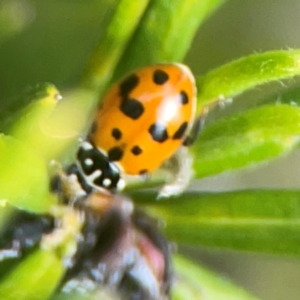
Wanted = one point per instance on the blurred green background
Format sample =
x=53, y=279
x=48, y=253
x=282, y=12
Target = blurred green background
x=51, y=41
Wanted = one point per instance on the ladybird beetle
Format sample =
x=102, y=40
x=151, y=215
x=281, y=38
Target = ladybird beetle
x=141, y=122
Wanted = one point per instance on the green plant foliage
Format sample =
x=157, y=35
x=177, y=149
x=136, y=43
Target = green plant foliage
x=34, y=279
x=29, y=124
x=246, y=139
x=47, y=122
x=42, y=96
x=196, y=283
x=238, y=76
x=165, y=32
x=38, y=129
x=257, y=220
x=28, y=192
x=112, y=43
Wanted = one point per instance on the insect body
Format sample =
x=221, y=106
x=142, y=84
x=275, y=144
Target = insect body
x=140, y=123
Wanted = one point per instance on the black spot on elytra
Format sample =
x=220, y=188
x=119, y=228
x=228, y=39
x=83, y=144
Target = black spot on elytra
x=132, y=108
x=144, y=172
x=128, y=84
x=116, y=133
x=136, y=150
x=160, y=77
x=94, y=127
x=184, y=98
x=115, y=154
x=158, y=132
x=180, y=131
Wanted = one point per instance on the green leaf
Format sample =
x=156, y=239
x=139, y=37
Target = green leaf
x=165, y=32
x=112, y=43
x=258, y=220
x=196, y=283
x=246, y=139
x=49, y=126
x=23, y=177
x=35, y=278
x=240, y=75
x=15, y=109
x=28, y=125
x=59, y=132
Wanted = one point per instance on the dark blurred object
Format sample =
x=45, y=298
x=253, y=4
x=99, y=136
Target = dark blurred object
x=119, y=250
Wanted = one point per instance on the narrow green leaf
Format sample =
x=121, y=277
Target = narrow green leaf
x=234, y=78
x=246, y=139
x=49, y=126
x=165, y=33
x=112, y=43
x=196, y=283
x=258, y=220
x=36, y=278
x=19, y=107
x=23, y=177
x=62, y=128
x=29, y=124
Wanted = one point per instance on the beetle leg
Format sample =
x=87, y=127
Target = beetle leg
x=197, y=127
x=180, y=166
